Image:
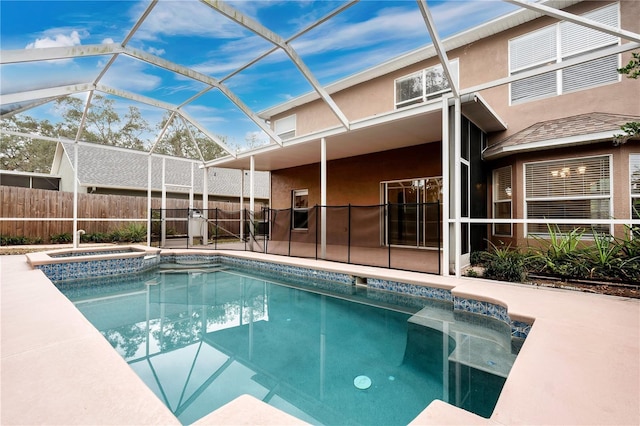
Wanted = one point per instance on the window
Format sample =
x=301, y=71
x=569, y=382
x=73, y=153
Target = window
x=286, y=127
x=423, y=85
x=577, y=188
x=558, y=43
x=300, y=203
x=502, y=191
x=634, y=184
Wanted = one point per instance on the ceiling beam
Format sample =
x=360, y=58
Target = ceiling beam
x=162, y=132
x=203, y=78
x=293, y=37
x=38, y=94
x=274, y=38
x=27, y=107
x=192, y=138
x=57, y=53
x=210, y=135
x=254, y=117
x=439, y=46
x=135, y=97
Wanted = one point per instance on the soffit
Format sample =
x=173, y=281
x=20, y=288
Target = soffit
x=410, y=126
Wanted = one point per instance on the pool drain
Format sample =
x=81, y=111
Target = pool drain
x=362, y=382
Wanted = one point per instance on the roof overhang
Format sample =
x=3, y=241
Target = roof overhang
x=550, y=144
x=414, y=125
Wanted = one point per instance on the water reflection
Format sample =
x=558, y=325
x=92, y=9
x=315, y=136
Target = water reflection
x=201, y=339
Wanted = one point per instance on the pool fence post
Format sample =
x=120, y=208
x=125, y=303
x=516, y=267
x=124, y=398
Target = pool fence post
x=290, y=226
x=265, y=228
x=349, y=233
x=216, y=238
x=315, y=208
x=389, y=239
x=439, y=224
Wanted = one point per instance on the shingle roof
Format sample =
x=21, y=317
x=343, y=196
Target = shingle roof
x=105, y=166
x=578, y=129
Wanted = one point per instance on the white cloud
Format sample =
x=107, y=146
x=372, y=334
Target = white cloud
x=154, y=51
x=108, y=41
x=57, y=40
x=184, y=18
x=131, y=75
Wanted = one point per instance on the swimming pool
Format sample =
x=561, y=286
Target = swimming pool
x=328, y=353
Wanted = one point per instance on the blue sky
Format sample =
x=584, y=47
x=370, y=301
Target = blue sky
x=190, y=33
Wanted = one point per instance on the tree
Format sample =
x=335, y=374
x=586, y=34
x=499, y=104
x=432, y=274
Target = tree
x=23, y=153
x=632, y=129
x=177, y=142
x=103, y=125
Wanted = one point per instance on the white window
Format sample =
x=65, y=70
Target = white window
x=502, y=192
x=286, y=127
x=561, y=42
x=577, y=188
x=300, y=203
x=634, y=184
x=424, y=85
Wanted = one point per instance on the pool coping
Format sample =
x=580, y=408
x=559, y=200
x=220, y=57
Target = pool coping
x=574, y=333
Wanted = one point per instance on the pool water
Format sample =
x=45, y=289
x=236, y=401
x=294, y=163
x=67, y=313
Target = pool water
x=325, y=353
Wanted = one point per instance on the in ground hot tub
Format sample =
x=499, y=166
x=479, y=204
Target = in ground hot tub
x=88, y=262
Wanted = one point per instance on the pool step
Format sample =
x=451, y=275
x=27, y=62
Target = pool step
x=175, y=268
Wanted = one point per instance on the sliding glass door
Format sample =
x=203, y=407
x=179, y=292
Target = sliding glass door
x=414, y=212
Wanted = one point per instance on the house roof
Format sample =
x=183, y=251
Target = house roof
x=562, y=132
x=119, y=168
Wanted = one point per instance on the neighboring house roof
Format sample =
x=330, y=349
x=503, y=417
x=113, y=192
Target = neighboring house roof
x=119, y=168
x=562, y=132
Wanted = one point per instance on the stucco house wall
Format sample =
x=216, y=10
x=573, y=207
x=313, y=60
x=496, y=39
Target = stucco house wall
x=480, y=62
x=357, y=180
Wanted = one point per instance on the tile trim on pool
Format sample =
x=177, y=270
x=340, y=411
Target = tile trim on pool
x=74, y=270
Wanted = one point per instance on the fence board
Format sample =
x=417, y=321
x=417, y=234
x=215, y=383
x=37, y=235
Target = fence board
x=39, y=203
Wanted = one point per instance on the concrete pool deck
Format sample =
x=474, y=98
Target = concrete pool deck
x=579, y=365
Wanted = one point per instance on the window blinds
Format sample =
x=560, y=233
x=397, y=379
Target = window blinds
x=578, y=39
x=570, y=178
x=634, y=174
x=558, y=43
x=536, y=48
x=502, y=184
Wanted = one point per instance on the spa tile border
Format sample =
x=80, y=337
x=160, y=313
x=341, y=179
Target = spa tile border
x=77, y=270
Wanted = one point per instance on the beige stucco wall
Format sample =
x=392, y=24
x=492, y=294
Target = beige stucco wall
x=481, y=62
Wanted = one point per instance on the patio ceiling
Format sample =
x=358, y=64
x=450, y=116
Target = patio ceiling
x=411, y=126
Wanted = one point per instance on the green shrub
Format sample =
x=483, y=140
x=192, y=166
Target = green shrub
x=63, y=238
x=472, y=273
x=7, y=240
x=97, y=237
x=479, y=258
x=505, y=264
x=133, y=232
x=562, y=255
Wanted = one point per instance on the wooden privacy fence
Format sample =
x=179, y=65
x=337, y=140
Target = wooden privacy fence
x=25, y=206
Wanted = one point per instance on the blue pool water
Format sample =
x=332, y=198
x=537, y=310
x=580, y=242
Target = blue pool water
x=326, y=353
